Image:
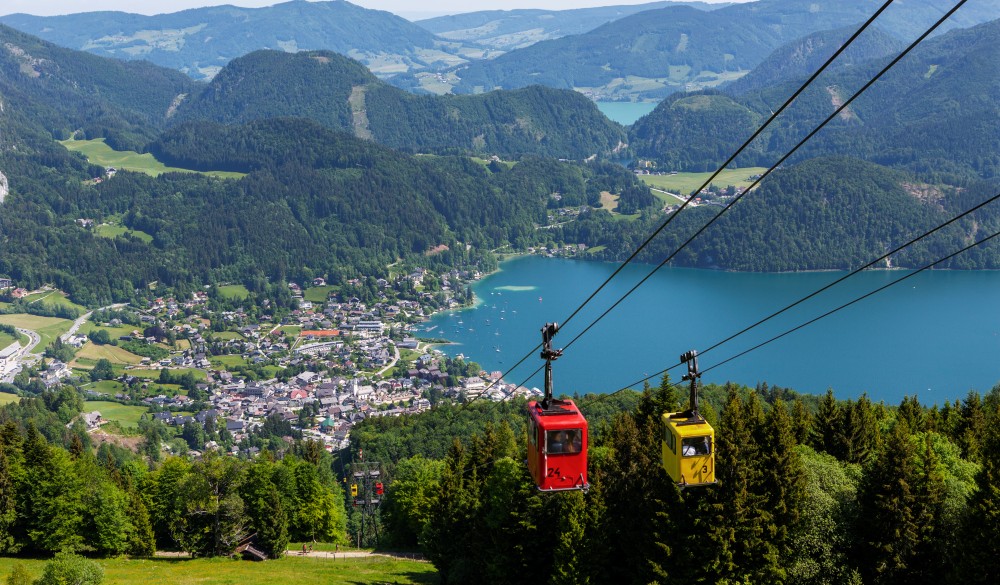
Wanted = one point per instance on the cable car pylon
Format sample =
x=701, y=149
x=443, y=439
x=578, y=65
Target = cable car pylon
x=688, y=445
x=557, y=433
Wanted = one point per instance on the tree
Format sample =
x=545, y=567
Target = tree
x=887, y=529
x=980, y=529
x=820, y=543
x=406, y=510
x=213, y=519
x=102, y=370
x=827, y=426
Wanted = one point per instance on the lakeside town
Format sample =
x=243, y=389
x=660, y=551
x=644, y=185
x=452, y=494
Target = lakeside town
x=220, y=368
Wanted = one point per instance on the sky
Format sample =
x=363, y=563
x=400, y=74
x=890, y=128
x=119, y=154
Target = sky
x=406, y=8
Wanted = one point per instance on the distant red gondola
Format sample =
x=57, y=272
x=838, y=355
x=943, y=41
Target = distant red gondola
x=557, y=433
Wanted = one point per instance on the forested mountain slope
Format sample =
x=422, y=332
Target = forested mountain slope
x=65, y=90
x=340, y=93
x=798, y=59
x=824, y=214
x=935, y=113
x=658, y=52
x=202, y=40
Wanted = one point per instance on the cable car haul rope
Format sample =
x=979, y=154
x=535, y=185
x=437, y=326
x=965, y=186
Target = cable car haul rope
x=557, y=430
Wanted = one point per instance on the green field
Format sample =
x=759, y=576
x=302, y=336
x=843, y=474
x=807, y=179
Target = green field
x=6, y=398
x=99, y=153
x=686, y=183
x=153, y=374
x=318, y=294
x=222, y=571
x=293, y=330
x=114, y=332
x=228, y=361
x=112, y=231
x=116, y=355
x=234, y=291
x=109, y=387
x=226, y=335
x=127, y=416
x=48, y=328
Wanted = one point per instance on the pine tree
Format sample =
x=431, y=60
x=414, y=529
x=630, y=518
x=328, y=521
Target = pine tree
x=971, y=426
x=980, y=530
x=887, y=530
x=783, y=486
x=859, y=437
x=929, y=559
x=827, y=426
x=802, y=422
x=911, y=412
x=8, y=503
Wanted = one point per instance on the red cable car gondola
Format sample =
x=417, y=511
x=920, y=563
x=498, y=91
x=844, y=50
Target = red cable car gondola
x=557, y=433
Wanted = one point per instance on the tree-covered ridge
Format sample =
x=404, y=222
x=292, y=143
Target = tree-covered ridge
x=340, y=93
x=810, y=490
x=798, y=59
x=315, y=202
x=63, y=91
x=269, y=84
x=823, y=214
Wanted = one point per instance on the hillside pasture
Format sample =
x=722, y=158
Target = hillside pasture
x=90, y=353
x=686, y=183
x=99, y=153
x=126, y=416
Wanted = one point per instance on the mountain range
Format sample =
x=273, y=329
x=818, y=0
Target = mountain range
x=345, y=175
x=515, y=29
x=201, y=41
x=652, y=54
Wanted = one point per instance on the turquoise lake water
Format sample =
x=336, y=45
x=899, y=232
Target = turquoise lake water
x=936, y=335
x=625, y=113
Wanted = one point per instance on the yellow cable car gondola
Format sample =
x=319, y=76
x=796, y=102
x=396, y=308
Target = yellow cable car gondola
x=688, y=443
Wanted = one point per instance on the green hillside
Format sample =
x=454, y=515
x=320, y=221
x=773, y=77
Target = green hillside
x=341, y=94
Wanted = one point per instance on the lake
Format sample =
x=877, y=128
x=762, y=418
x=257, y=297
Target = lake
x=936, y=335
x=625, y=113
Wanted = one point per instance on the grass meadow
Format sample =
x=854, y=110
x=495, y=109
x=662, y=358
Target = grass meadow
x=224, y=571
x=99, y=153
x=127, y=416
x=686, y=183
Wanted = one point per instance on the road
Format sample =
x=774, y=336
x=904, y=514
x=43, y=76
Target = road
x=83, y=319
x=395, y=358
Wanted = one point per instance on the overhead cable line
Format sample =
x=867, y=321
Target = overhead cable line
x=828, y=313
x=670, y=218
x=757, y=181
x=859, y=299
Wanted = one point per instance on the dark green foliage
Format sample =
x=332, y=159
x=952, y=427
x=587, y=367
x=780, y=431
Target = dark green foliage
x=692, y=132
x=826, y=213
x=888, y=523
x=326, y=87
